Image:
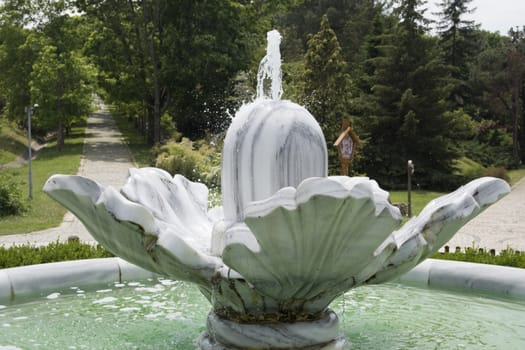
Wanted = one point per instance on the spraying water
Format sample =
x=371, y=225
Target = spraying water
x=270, y=68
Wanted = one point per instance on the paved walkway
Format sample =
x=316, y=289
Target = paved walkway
x=106, y=159
x=500, y=226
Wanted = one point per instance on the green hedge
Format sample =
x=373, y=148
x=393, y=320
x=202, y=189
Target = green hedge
x=30, y=255
x=507, y=257
x=74, y=250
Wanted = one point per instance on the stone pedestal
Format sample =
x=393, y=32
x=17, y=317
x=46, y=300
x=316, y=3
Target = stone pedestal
x=322, y=334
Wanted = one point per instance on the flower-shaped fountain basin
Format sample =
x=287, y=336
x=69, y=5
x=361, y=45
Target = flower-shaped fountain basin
x=288, y=239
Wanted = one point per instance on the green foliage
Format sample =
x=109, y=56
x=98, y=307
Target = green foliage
x=45, y=65
x=54, y=252
x=61, y=78
x=13, y=142
x=201, y=164
x=406, y=116
x=11, y=202
x=458, y=39
x=130, y=129
x=175, y=57
x=507, y=257
x=326, y=85
x=468, y=168
x=491, y=146
x=16, y=59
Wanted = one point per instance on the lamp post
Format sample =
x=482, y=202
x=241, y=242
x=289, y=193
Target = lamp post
x=29, y=110
x=410, y=172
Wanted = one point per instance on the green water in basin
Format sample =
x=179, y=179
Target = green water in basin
x=165, y=314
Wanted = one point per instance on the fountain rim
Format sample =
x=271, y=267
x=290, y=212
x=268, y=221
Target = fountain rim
x=29, y=283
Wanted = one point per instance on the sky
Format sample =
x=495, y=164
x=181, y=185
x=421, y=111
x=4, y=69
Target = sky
x=493, y=15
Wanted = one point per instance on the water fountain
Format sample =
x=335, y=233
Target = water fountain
x=288, y=240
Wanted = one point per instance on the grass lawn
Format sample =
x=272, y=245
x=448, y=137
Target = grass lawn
x=515, y=175
x=13, y=142
x=137, y=144
x=419, y=199
x=43, y=211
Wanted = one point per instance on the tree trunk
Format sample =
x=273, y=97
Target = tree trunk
x=156, y=101
x=522, y=130
x=149, y=44
x=60, y=135
x=60, y=128
x=515, y=119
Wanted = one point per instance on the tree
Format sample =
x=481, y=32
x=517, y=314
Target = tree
x=407, y=117
x=60, y=82
x=516, y=73
x=209, y=43
x=16, y=59
x=456, y=33
x=497, y=78
x=460, y=43
x=42, y=51
x=327, y=83
x=351, y=20
x=173, y=58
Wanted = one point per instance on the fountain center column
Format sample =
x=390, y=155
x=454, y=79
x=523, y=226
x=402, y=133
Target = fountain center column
x=271, y=144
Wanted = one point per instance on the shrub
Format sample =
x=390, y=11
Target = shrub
x=507, y=257
x=201, y=165
x=29, y=255
x=11, y=202
x=468, y=168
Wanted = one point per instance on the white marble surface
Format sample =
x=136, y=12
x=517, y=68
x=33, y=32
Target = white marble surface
x=480, y=279
x=29, y=282
x=423, y=235
x=295, y=335
x=269, y=145
x=167, y=238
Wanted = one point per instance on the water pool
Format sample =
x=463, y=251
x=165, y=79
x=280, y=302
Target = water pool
x=165, y=314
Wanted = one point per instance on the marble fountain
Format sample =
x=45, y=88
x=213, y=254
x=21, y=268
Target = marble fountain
x=287, y=240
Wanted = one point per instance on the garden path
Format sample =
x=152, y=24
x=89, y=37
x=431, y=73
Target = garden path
x=500, y=226
x=106, y=159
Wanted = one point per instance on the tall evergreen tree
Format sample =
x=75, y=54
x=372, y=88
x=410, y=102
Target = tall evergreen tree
x=516, y=72
x=408, y=118
x=351, y=21
x=460, y=43
x=326, y=83
x=457, y=33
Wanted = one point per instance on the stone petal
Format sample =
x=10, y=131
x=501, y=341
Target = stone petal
x=133, y=231
x=314, y=242
x=422, y=236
